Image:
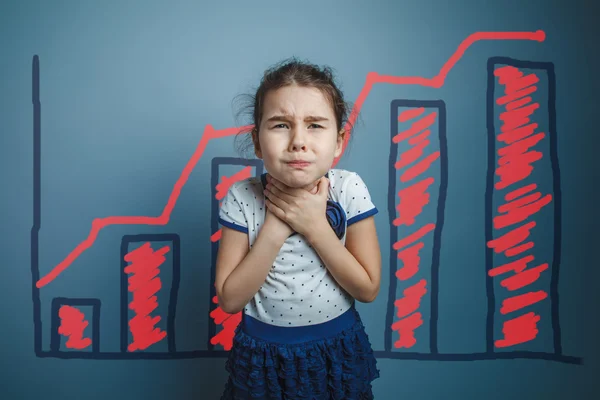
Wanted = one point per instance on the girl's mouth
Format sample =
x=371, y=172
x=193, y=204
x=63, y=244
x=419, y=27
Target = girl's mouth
x=298, y=164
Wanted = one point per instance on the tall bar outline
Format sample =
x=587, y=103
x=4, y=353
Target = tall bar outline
x=124, y=293
x=548, y=67
x=214, y=223
x=392, y=189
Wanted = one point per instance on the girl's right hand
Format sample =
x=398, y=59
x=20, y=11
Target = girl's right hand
x=276, y=227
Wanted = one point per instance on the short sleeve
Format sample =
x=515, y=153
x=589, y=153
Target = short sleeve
x=231, y=213
x=358, y=200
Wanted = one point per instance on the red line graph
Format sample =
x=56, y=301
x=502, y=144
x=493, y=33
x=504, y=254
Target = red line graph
x=210, y=133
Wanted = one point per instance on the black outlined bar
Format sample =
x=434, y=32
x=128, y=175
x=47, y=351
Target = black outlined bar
x=93, y=318
x=217, y=170
x=416, y=200
x=169, y=275
x=523, y=165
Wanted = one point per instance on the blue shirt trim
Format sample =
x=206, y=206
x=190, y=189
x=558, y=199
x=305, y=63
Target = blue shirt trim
x=362, y=216
x=233, y=226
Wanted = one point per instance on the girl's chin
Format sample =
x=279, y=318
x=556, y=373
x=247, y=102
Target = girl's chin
x=298, y=182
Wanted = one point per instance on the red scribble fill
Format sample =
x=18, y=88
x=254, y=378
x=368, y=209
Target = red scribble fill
x=516, y=214
x=519, y=330
x=228, y=322
x=511, y=238
x=512, y=97
x=521, y=301
x=144, y=283
x=515, y=161
x=522, y=204
x=416, y=127
x=419, y=138
x=410, y=261
x=411, y=155
x=514, y=251
x=72, y=325
x=513, y=79
x=413, y=199
x=518, y=103
x=517, y=117
x=226, y=182
x=410, y=114
x=522, y=279
x=412, y=299
x=517, y=133
x=406, y=329
x=210, y=133
x=516, y=266
x=413, y=237
x=222, y=189
x=215, y=237
x=520, y=192
x=419, y=167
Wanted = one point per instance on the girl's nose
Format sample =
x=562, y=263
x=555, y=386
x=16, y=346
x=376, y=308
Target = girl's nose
x=297, y=141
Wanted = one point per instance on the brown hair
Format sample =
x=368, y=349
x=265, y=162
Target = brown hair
x=288, y=72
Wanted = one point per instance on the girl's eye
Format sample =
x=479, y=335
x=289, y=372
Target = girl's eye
x=285, y=125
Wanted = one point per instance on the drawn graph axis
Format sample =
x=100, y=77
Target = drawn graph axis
x=379, y=354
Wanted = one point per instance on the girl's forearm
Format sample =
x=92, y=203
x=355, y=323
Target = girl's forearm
x=245, y=280
x=344, y=267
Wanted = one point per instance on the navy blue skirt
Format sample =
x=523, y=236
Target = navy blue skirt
x=332, y=360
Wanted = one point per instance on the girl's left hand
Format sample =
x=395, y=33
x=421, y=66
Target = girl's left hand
x=303, y=211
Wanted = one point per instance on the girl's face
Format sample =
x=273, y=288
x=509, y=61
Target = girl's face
x=298, y=124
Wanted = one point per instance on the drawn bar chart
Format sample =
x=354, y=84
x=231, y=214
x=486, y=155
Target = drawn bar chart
x=522, y=299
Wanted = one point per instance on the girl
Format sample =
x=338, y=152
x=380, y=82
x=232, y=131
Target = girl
x=298, y=247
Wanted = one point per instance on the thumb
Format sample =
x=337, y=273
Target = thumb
x=323, y=187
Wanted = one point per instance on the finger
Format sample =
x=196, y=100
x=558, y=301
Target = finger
x=323, y=186
x=280, y=193
x=313, y=188
x=284, y=192
x=275, y=198
x=292, y=192
x=278, y=212
x=282, y=186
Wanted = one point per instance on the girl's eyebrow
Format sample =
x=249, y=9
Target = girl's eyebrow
x=310, y=118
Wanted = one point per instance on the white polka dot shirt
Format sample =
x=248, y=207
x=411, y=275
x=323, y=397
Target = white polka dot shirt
x=299, y=290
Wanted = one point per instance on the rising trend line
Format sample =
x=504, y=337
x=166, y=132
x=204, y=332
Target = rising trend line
x=210, y=133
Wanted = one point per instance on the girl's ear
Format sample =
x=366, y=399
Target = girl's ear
x=256, y=143
x=339, y=142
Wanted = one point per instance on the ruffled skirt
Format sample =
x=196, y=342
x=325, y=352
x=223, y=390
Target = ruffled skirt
x=337, y=361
